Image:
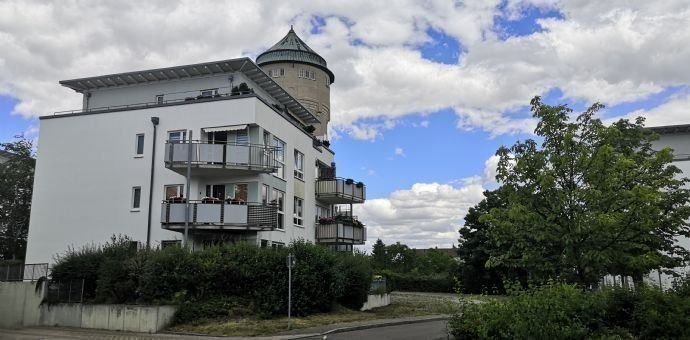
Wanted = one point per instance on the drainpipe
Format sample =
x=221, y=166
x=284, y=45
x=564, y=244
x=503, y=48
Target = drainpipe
x=155, y=121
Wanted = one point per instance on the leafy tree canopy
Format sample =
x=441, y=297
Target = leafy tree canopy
x=16, y=187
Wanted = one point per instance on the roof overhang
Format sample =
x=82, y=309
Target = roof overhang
x=244, y=65
x=682, y=128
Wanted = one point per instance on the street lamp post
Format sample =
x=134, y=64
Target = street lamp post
x=291, y=261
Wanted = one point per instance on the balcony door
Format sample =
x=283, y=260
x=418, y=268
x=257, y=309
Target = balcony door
x=217, y=137
x=216, y=190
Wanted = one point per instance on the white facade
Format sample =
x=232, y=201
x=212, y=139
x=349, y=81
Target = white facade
x=88, y=164
x=678, y=139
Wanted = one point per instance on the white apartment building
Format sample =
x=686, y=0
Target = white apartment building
x=676, y=137
x=224, y=151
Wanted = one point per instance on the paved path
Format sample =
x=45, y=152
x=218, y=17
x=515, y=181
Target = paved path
x=416, y=331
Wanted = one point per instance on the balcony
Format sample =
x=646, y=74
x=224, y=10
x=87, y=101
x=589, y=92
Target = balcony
x=341, y=229
x=219, y=215
x=209, y=159
x=340, y=191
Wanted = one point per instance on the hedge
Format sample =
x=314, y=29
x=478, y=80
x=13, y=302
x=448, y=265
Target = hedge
x=257, y=276
x=566, y=312
x=419, y=283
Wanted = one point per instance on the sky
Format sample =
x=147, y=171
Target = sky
x=424, y=92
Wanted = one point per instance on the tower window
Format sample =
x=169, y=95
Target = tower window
x=277, y=73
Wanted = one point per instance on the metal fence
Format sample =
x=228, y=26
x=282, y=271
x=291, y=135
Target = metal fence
x=69, y=291
x=378, y=286
x=23, y=272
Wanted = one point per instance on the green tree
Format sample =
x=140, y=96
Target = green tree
x=435, y=261
x=378, y=255
x=594, y=199
x=476, y=247
x=16, y=187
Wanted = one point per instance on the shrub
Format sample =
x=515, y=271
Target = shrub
x=566, y=312
x=217, y=308
x=169, y=274
x=355, y=276
x=440, y=283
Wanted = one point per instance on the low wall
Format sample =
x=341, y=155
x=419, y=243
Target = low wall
x=376, y=300
x=144, y=319
x=19, y=303
x=20, y=306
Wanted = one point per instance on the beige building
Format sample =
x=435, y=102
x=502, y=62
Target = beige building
x=304, y=74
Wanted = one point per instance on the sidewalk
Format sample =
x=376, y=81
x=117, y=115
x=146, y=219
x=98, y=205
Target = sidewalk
x=61, y=333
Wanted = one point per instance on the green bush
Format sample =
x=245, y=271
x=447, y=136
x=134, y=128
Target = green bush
x=566, y=312
x=194, y=311
x=355, y=276
x=170, y=274
x=440, y=283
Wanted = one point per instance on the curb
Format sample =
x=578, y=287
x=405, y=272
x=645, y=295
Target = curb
x=369, y=326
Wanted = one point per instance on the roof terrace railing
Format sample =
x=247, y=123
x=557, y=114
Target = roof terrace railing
x=222, y=155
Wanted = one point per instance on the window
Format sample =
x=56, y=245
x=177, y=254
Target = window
x=241, y=192
x=170, y=243
x=139, y=147
x=172, y=191
x=136, y=198
x=264, y=243
x=312, y=76
x=322, y=212
x=276, y=245
x=299, y=165
x=264, y=194
x=280, y=157
x=159, y=99
x=277, y=73
x=298, y=211
x=209, y=92
x=177, y=136
x=278, y=197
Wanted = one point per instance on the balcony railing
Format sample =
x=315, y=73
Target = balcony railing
x=340, y=190
x=219, y=215
x=338, y=233
x=236, y=156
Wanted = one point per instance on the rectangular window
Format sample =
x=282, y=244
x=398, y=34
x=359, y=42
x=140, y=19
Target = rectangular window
x=159, y=99
x=264, y=194
x=278, y=198
x=209, y=92
x=303, y=74
x=282, y=72
x=139, y=147
x=174, y=190
x=299, y=165
x=136, y=198
x=322, y=211
x=312, y=75
x=276, y=245
x=177, y=136
x=170, y=243
x=280, y=157
x=298, y=211
x=264, y=243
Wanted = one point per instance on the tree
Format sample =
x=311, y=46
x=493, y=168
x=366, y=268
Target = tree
x=476, y=247
x=378, y=255
x=16, y=184
x=594, y=199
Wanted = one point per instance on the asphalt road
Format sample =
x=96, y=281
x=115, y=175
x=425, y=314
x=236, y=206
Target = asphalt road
x=416, y=331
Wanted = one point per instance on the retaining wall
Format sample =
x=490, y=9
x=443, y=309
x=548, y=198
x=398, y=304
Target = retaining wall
x=376, y=300
x=21, y=308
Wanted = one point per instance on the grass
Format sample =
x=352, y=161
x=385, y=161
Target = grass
x=401, y=306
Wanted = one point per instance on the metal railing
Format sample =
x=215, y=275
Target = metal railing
x=193, y=97
x=69, y=291
x=223, y=155
x=340, y=188
x=340, y=234
x=220, y=212
x=378, y=285
x=23, y=272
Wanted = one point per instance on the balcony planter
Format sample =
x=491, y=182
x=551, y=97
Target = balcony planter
x=211, y=200
x=326, y=143
x=177, y=200
x=310, y=128
x=235, y=201
x=326, y=220
x=349, y=181
x=360, y=185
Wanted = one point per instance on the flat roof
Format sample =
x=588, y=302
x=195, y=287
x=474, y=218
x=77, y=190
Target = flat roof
x=670, y=128
x=244, y=65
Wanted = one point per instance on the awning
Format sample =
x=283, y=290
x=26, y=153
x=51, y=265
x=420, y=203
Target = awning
x=226, y=128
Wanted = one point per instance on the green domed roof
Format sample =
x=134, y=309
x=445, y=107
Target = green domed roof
x=293, y=49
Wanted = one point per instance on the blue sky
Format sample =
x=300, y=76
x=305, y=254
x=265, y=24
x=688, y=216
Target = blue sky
x=437, y=86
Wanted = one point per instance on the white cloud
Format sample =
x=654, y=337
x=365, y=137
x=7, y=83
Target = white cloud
x=399, y=151
x=425, y=215
x=675, y=111
x=610, y=51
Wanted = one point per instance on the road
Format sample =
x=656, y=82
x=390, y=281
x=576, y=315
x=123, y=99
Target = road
x=416, y=331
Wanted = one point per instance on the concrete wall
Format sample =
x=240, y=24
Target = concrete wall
x=376, y=300
x=144, y=319
x=19, y=304
x=21, y=308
